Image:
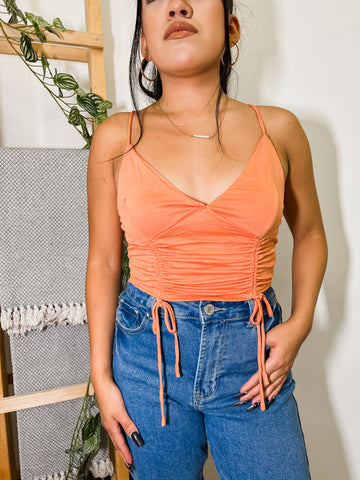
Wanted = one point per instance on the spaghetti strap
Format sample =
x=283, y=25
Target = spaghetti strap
x=129, y=128
x=259, y=117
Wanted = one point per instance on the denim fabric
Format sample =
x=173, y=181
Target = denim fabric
x=218, y=354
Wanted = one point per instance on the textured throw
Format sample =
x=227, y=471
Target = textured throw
x=43, y=254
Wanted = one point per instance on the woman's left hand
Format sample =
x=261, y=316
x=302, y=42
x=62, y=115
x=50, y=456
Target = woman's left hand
x=284, y=341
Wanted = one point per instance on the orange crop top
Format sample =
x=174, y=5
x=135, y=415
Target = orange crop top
x=182, y=249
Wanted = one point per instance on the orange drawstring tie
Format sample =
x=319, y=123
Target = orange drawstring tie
x=172, y=329
x=259, y=322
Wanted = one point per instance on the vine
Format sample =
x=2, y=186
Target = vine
x=88, y=107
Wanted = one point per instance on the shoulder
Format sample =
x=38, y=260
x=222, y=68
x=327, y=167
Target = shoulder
x=283, y=125
x=113, y=128
x=110, y=137
x=287, y=134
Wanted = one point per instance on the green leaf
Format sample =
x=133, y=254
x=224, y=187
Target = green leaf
x=57, y=23
x=104, y=105
x=90, y=427
x=30, y=16
x=91, y=446
x=36, y=22
x=74, y=116
x=88, y=104
x=100, y=118
x=65, y=81
x=43, y=23
x=51, y=30
x=27, y=48
x=45, y=64
x=95, y=98
x=14, y=11
x=85, y=134
x=39, y=33
x=80, y=92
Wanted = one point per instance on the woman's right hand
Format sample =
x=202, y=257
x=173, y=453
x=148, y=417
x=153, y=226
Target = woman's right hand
x=113, y=413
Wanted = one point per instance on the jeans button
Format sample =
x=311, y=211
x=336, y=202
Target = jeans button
x=209, y=309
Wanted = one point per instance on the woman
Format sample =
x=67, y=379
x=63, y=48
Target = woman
x=200, y=182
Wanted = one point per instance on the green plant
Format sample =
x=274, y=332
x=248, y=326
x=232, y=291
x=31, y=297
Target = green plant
x=85, y=441
x=88, y=106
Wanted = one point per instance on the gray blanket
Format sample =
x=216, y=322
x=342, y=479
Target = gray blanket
x=43, y=254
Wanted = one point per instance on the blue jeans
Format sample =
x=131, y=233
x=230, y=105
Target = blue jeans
x=218, y=354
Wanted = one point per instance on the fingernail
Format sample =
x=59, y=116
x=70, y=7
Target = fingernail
x=136, y=436
x=253, y=406
x=238, y=395
x=270, y=402
x=130, y=466
x=243, y=402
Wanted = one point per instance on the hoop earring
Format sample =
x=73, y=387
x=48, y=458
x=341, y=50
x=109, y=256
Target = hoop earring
x=237, y=56
x=142, y=71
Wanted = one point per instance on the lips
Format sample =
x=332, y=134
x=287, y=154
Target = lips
x=179, y=27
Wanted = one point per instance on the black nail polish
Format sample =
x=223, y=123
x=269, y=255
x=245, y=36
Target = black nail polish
x=253, y=406
x=238, y=395
x=270, y=402
x=136, y=436
x=242, y=402
x=131, y=466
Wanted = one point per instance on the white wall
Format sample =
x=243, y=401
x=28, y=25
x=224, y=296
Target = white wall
x=301, y=56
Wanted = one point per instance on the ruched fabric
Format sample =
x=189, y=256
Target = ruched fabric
x=182, y=249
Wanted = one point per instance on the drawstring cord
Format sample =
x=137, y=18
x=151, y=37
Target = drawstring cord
x=257, y=318
x=259, y=322
x=171, y=329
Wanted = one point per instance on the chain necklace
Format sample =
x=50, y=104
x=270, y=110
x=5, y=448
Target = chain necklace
x=194, y=135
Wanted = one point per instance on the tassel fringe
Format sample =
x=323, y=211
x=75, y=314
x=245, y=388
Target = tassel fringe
x=20, y=320
x=57, y=476
x=100, y=469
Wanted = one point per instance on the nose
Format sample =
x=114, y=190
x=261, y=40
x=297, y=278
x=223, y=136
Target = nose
x=180, y=7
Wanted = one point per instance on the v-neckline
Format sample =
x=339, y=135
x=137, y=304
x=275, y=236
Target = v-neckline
x=185, y=195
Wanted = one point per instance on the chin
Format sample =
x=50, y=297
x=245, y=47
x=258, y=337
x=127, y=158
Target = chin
x=182, y=61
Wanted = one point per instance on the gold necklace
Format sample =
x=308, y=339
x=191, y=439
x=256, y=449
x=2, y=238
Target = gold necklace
x=194, y=135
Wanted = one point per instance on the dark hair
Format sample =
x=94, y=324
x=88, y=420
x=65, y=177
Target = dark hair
x=136, y=78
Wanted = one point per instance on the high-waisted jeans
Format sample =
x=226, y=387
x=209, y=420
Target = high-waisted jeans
x=218, y=354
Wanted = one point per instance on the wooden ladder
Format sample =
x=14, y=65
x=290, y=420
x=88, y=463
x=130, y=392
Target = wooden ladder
x=75, y=46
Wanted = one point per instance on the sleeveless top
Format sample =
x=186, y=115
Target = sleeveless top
x=183, y=249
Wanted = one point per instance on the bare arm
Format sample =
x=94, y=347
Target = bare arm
x=303, y=215
x=103, y=275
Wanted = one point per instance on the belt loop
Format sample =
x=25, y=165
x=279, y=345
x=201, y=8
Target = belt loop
x=251, y=304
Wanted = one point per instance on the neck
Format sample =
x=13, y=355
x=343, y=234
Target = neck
x=195, y=95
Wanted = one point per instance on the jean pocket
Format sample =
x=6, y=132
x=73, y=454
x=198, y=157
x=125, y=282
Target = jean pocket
x=271, y=322
x=131, y=318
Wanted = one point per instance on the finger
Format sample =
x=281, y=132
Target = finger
x=131, y=430
x=250, y=384
x=272, y=389
x=276, y=391
x=251, y=387
x=120, y=444
x=254, y=393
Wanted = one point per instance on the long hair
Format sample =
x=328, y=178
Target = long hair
x=136, y=79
